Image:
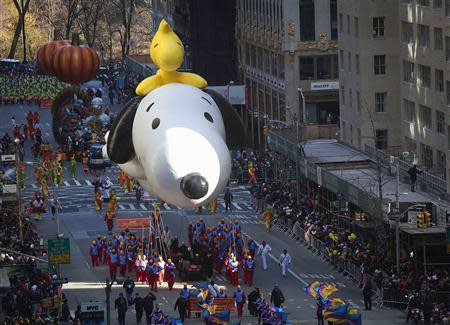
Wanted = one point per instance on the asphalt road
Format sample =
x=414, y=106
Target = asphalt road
x=81, y=223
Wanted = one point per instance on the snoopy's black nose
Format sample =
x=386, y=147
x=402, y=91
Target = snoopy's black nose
x=194, y=186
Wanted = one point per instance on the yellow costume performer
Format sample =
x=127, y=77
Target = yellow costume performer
x=268, y=217
x=167, y=52
x=98, y=200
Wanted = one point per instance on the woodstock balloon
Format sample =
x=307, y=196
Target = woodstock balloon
x=175, y=141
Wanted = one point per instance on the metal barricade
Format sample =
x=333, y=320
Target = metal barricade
x=394, y=298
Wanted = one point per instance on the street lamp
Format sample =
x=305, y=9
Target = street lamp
x=231, y=83
x=300, y=90
x=297, y=140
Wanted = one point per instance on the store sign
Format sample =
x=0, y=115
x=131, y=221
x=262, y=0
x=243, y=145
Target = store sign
x=330, y=85
x=59, y=251
x=92, y=313
x=8, y=158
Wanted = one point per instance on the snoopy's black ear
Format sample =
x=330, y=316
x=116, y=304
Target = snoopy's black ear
x=234, y=128
x=120, y=147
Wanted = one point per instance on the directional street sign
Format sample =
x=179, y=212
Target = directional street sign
x=59, y=251
x=60, y=281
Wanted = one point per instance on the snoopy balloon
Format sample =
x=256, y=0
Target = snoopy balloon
x=175, y=141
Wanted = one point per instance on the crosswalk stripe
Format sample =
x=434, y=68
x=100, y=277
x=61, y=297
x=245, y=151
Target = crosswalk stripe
x=66, y=183
x=132, y=207
x=222, y=204
x=121, y=207
x=77, y=182
x=34, y=185
x=88, y=182
x=236, y=206
x=142, y=206
x=167, y=207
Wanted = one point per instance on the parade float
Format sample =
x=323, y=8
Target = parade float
x=181, y=134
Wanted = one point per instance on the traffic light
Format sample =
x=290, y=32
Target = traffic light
x=427, y=219
x=420, y=220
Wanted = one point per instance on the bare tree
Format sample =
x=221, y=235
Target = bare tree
x=72, y=12
x=88, y=19
x=126, y=9
x=22, y=7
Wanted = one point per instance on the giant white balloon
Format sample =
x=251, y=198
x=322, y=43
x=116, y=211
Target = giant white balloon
x=174, y=142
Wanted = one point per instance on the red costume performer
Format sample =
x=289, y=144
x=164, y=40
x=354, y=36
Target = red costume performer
x=94, y=253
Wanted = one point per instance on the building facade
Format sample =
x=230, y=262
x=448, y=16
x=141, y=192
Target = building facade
x=395, y=90
x=287, y=49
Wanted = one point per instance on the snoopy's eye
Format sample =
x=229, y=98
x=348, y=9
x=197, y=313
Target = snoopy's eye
x=155, y=123
x=150, y=106
x=208, y=117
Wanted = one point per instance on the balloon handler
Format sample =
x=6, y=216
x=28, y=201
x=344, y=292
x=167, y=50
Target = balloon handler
x=84, y=160
x=98, y=200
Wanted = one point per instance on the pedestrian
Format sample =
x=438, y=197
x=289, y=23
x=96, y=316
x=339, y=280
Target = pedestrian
x=277, y=297
x=65, y=312
x=264, y=251
x=319, y=311
x=94, y=253
x=129, y=285
x=73, y=166
x=252, y=298
x=121, y=306
x=181, y=304
x=139, y=307
x=240, y=299
x=413, y=171
x=285, y=260
x=228, y=198
x=367, y=293
x=148, y=306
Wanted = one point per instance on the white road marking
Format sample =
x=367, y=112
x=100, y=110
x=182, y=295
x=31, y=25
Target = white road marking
x=121, y=207
x=88, y=266
x=132, y=207
x=33, y=185
x=236, y=206
x=88, y=182
x=66, y=183
x=167, y=206
x=77, y=182
x=142, y=206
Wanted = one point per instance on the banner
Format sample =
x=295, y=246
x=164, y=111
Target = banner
x=132, y=223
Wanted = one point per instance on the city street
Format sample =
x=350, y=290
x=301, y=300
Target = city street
x=81, y=223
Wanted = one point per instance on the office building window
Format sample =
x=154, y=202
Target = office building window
x=356, y=22
x=348, y=24
x=333, y=19
x=259, y=58
x=378, y=27
x=379, y=64
x=440, y=122
x=437, y=3
x=351, y=134
x=381, y=139
x=410, y=110
x=335, y=63
x=253, y=56
x=350, y=97
x=441, y=162
x=344, y=131
x=424, y=2
x=340, y=23
x=426, y=153
x=439, y=77
x=324, y=67
x=306, y=68
x=349, y=60
x=438, y=39
x=358, y=101
x=357, y=63
x=423, y=35
x=425, y=117
x=274, y=64
x=448, y=93
x=447, y=47
x=343, y=94
x=341, y=59
x=359, y=137
x=407, y=32
x=406, y=1
x=424, y=76
x=380, y=102
x=408, y=72
x=307, y=20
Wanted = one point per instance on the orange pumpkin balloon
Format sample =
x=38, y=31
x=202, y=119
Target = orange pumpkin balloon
x=45, y=55
x=75, y=64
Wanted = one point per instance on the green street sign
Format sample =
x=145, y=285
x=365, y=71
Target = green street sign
x=59, y=251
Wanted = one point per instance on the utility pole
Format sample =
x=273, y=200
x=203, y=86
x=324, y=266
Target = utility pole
x=19, y=191
x=397, y=220
x=108, y=301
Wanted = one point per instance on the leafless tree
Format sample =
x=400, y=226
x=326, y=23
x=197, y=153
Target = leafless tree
x=22, y=7
x=89, y=18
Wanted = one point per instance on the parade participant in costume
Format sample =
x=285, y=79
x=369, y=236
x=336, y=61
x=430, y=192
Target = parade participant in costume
x=144, y=270
x=213, y=206
x=39, y=173
x=221, y=293
x=137, y=267
x=249, y=269
x=84, y=161
x=59, y=173
x=112, y=204
x=129, y=184
x=38, y=206
x=234, y=271
x=113, y=263
x=251, y=174
x=130, y=257
x=190, y=233
x=94, y=252
x=285, y=260
x=153, y=272
x=73, y=166
x=98, y=200
x=264, y=251
x=170, y=273
x=267, y=216
x=109, y=220
x=122, y=263
x=21, y=175
x=251, y=245
x=26, y=132
x=44, y=189
x=162, y=268
x=121, y=178
x=240, y=299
